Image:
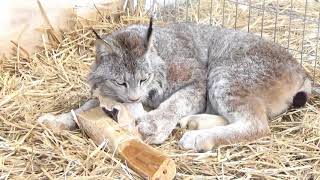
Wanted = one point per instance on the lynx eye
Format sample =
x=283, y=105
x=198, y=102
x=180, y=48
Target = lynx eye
x=119, y=83
x=144, y=79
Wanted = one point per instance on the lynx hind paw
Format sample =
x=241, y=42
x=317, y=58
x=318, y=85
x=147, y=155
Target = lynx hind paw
x=201, y=121
x=60, y=122
x=197, y=140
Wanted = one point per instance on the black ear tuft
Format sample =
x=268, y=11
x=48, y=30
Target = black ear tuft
x=149, y=32
x=102, y=46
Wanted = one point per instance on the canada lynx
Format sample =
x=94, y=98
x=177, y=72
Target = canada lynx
x=188, y=69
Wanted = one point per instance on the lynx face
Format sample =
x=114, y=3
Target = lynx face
x=123, y=67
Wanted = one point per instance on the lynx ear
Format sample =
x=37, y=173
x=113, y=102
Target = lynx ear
x=102, y=46
x=149, y=33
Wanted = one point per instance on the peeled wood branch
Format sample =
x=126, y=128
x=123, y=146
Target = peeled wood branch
x=142, y=158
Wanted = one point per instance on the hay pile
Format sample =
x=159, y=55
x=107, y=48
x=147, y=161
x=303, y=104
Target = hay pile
x=53, y=80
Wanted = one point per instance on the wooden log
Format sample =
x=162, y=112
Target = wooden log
x=148, y=162
x=123, y=113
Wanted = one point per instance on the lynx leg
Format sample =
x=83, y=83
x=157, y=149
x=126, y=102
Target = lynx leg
x=246, y=114
x=248, y=124
x=65, y=121
x=157, y=125
x=202, y=121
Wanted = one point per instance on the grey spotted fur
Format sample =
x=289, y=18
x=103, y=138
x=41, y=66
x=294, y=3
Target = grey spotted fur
x=187, y=69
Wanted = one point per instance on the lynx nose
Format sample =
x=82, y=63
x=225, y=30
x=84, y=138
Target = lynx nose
x=134, y=98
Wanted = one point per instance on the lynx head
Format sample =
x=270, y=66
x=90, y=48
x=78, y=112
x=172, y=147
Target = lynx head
x=123, y=69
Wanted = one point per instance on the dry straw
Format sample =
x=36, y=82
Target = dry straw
x=53, y=80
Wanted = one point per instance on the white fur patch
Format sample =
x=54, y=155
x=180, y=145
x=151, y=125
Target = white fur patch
x=202, y=121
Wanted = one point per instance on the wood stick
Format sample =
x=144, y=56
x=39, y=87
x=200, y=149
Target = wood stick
x=126, y=112
x=148, y=162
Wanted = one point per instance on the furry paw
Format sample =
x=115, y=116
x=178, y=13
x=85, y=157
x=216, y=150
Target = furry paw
x=183, y=123
x=198, y=140
x=201, y=121
x=153, y=131
x=61, y=122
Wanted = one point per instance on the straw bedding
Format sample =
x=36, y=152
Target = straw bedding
x=53, y=80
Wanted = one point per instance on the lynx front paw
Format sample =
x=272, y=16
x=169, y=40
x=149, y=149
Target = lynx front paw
x=153, y=132
x=197, y=140
x=60, y=122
